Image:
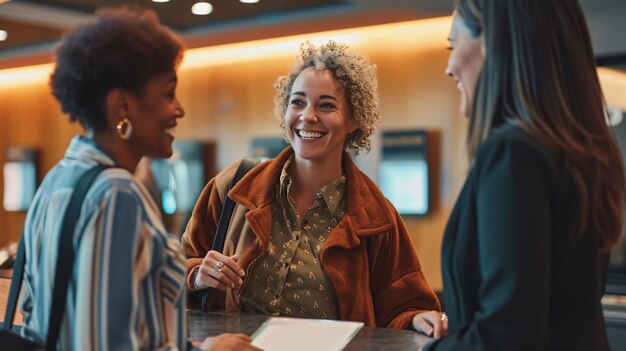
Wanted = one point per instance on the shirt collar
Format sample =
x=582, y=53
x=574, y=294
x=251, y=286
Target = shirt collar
x=285, y=179
x=332, y=193
x=84, y=148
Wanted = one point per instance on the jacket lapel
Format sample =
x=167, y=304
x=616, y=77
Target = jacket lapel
x=254, y=191
x=368, y=211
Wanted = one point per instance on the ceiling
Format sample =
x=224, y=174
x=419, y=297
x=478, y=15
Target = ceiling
x=178, y=15
x=34, y=25
x=34, y=22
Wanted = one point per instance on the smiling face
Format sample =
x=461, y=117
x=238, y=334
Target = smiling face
x=154, y=115
x=465, y=62
x=318, y=117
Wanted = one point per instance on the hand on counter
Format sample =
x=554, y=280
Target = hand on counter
x=431, y=323
x=227, y=342
x=219, y=271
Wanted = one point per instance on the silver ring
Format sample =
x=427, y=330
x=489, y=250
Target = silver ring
x=444, y=317
x=218, y=266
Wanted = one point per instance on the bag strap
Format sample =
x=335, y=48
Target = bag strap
x=65, y=256
x=64, y=267
x=16, y=286
x=247, y=163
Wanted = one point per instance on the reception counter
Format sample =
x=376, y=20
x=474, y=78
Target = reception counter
x=202, y=325
x=615, y=320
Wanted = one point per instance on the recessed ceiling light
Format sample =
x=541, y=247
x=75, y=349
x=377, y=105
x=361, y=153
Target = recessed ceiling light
x=201, y=8
x=160, y=0
x=249, y=1
x=3, y=35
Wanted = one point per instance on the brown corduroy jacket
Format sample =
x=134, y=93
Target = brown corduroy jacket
x=368, y=257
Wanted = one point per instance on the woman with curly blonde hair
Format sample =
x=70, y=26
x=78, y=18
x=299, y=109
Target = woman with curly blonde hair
x=311, y=235
x=351, y=70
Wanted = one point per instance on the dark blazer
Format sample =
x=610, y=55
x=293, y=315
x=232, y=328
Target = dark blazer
x=514, y=277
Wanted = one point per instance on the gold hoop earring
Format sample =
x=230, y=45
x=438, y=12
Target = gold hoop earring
x=124, y=129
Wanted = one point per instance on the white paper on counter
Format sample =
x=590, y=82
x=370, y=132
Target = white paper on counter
x=288, y=334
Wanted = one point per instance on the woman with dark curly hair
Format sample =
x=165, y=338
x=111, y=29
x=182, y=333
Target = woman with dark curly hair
x=116, y=76
x=311, y=235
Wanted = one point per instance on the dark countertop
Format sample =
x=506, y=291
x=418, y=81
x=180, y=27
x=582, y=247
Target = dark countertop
x=213, y=323
x=614, y=307
x=6, y=273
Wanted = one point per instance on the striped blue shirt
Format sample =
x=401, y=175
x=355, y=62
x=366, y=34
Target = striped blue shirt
x=126, y=292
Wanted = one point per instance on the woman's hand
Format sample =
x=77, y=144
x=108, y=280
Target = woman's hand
x=227, y=342
x=219, y=271
x=432, y=323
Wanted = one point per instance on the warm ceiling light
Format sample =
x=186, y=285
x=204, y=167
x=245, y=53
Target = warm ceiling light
x=3, y=35
x=3, y=1
x=11, y=77
x=432, y=33
x=249, y=1
x=613, y=84
x=201, y=8
x=160, y=0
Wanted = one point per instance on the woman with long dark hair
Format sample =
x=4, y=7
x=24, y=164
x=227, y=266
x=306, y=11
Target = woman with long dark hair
x=526, y=247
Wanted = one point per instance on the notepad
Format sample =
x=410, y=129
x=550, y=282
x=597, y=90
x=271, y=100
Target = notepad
x=288, y=334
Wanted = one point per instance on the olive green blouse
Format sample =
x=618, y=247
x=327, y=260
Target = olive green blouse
x=290, y=280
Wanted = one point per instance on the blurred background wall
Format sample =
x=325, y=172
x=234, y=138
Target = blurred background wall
x=225, y=85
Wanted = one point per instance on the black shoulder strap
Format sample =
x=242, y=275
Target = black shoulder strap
x=247, y=163
x=64, y=265
x=65, y=255
x=16, y=286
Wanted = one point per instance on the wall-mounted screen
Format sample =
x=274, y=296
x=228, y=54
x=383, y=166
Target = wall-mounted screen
x=20, y=178
x=265, y=148
x=403, y=172
x=180, y=178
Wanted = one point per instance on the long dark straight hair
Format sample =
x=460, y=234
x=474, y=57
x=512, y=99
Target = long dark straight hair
x=539, y=73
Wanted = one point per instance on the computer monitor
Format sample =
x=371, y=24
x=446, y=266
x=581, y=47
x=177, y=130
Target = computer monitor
x=20, y=178
x=265, y=148
x=403, y=171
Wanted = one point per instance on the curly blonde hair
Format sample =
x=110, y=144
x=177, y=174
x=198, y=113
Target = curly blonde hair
x=355, y=74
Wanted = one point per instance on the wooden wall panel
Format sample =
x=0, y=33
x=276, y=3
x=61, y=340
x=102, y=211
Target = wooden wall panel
x=30, y=116
x=229, y=104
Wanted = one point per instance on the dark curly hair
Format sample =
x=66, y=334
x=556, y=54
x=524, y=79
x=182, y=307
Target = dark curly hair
x=121, y=48
x=355, y=74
